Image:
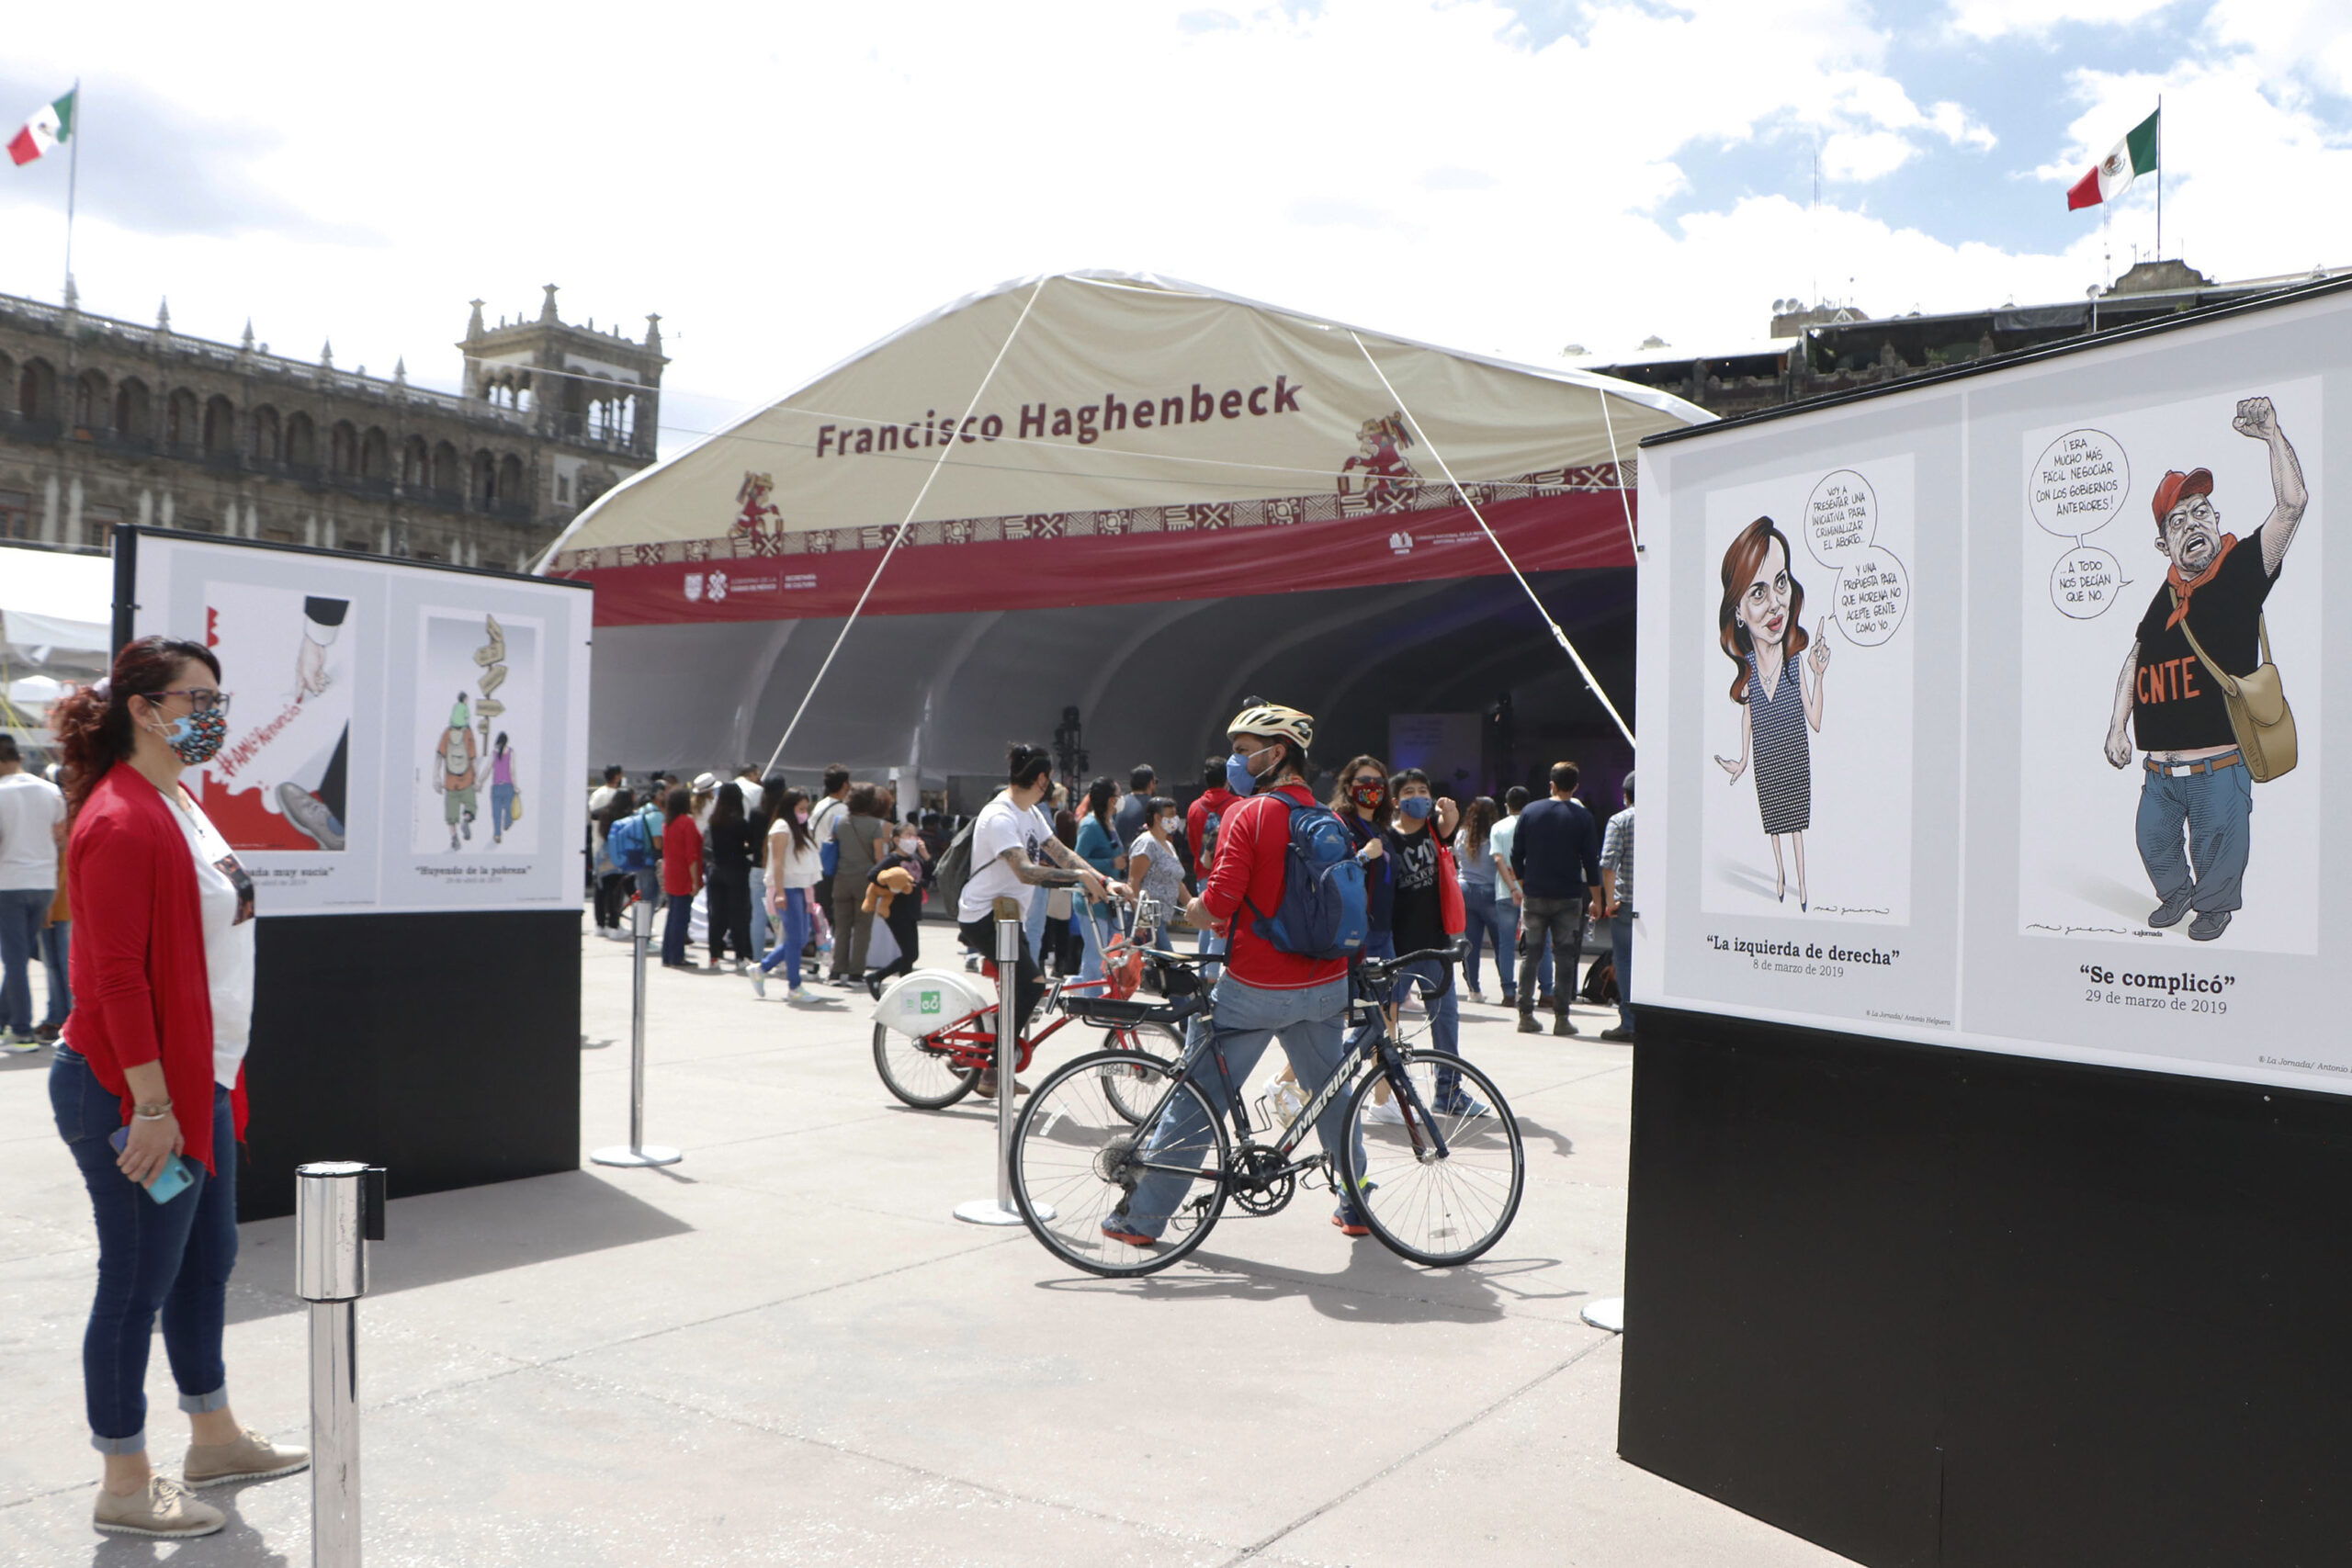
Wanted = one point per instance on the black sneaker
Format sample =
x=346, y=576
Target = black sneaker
x=2209, y=925
x=2169, y=912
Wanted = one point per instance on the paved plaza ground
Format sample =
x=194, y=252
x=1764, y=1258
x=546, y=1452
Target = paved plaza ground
x=784, y=1350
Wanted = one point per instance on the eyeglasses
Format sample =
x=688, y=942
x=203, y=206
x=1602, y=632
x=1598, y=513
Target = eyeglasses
x=200, y=699
x=1373, y=779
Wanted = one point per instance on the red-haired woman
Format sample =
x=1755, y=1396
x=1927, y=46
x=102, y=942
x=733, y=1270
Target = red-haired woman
x=1760, y=628
x=162, y=973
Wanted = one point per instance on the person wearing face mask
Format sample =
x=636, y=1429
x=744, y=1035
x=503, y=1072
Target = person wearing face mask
x=163, y=965
x=1154, y=869
x=793, y=870
x=895, y=893
x=1362, y=804
x=1421, y=869
x=1265, y=993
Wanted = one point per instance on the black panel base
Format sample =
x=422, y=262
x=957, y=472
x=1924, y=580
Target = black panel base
x=445, y=1046
x=1932, y=1306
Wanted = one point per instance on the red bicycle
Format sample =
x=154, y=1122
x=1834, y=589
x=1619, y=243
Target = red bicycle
x=936, y=1068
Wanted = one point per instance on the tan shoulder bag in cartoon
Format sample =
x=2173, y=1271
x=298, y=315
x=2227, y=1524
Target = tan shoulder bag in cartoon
x=2259, y=717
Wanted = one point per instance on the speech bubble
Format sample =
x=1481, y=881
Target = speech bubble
x=2086, y=581
x=1840, y=518
x=1873, y=595
x=2078, y=483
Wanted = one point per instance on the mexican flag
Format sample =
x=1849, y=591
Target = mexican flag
x=46, y=127
x=2134, y=156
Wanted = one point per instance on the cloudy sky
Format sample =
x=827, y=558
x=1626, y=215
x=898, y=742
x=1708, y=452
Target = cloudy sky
x=786, y=182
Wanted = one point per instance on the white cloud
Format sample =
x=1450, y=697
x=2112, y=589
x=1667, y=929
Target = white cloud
x=785, y=185
x=1999, y=18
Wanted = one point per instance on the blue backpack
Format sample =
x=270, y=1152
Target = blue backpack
x=1322, y=914
x=629, y=844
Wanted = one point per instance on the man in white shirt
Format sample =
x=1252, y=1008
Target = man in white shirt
x=32, y=828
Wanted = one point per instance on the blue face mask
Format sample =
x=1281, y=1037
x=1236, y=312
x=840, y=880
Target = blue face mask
x=1417, y=807
x=1238, y=776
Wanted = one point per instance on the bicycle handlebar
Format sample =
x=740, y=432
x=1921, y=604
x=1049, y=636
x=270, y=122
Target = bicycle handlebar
x=1382, y=968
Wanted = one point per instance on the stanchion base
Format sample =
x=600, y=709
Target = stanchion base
x=1608, y=1313
x=652, y=1154
x=988, y=1212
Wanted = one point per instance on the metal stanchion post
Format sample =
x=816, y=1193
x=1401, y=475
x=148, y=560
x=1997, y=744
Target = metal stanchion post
x=998, y=1210
x=637, y=1152
x=338, y=1209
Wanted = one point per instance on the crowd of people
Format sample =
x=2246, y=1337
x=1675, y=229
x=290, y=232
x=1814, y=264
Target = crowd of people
x=769, y=877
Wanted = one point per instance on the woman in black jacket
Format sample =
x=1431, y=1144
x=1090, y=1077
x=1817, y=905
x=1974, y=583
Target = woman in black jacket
x=732, y=847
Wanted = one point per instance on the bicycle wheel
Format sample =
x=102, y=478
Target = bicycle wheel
x=1436, y=1212
x=919, y=1072
x=1133, y=1087
x=1077, y=1155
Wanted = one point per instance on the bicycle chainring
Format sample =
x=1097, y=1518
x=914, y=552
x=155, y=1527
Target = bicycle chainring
x=1259, y=1185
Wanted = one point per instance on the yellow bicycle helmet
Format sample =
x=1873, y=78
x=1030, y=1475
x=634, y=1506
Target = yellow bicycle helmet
x=1272, y=718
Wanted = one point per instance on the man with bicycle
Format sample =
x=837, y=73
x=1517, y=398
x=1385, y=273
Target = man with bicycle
x=1265, y=992
x=1012, y=843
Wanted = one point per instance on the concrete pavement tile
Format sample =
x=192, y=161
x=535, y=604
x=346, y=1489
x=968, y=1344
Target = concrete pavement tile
x=1160, y=1400
x=1536, y=1481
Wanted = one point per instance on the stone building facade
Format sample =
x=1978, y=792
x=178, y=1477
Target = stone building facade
x=104, y=422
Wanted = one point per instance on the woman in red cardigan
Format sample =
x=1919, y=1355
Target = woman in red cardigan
x=162, y=976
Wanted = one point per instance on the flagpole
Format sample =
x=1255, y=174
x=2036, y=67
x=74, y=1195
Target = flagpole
x=2160, y=176
x=73, y=177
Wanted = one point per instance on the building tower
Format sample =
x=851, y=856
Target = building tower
x=593, y=391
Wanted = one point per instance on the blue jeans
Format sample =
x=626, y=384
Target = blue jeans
x=674, y=929
x=1445, y=1011
x=786, y=951
x=1206, y=940
x=173, y=1258
x=2216, y=810
x=1482, y=923
x=22, y=912
x=56, y=948
x=1620, y=955
x=1309, y=1023
x=502, y=809
x=1032, y=923
x=760, y=913
x=1089, y=964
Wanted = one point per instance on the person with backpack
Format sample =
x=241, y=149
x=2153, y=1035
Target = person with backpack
x=1287, y=894
x=829, y=805
x=614, y=880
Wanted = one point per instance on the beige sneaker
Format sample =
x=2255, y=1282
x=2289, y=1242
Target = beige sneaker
x=163, y=1511
x=251, y=1458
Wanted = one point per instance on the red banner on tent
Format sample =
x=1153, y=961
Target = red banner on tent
x=1037, y=562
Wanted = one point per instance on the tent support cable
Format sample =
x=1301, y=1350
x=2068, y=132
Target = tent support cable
x=1618, y=464
x=900, y=533
x=1592, y=681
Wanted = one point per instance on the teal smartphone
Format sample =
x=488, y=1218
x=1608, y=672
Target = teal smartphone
x=170, y=1182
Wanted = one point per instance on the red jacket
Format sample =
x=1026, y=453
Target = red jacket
x=1252, y=840
x=1215, y=800
x=140, y=990
x=681, y=855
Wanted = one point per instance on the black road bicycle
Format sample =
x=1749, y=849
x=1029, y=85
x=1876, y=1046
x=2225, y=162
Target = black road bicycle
x=1438, y=1180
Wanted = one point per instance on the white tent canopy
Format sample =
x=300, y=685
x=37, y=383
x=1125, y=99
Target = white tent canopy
x=1092, y=443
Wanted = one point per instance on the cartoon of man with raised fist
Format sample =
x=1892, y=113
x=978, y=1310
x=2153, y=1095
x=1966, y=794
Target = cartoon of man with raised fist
x=2203, y=631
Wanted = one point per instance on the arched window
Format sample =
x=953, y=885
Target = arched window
x=267, y=445
x=343, y=448
x=374, y=455
x=417, y=463
x=7, y=375
x=131, y=419
x=447, y=479
x=485, y=485
x=219, y=425
x=510, y=480
x=36, y=391
x=301, y=442
x=90, y=401
x=180, y=419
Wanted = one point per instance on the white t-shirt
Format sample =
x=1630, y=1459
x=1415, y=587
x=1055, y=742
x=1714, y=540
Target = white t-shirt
x=788, y=865
x=30, y=808
x=1001, y=825
x=820, y=819
x=225, y=894
x=1499, y=841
